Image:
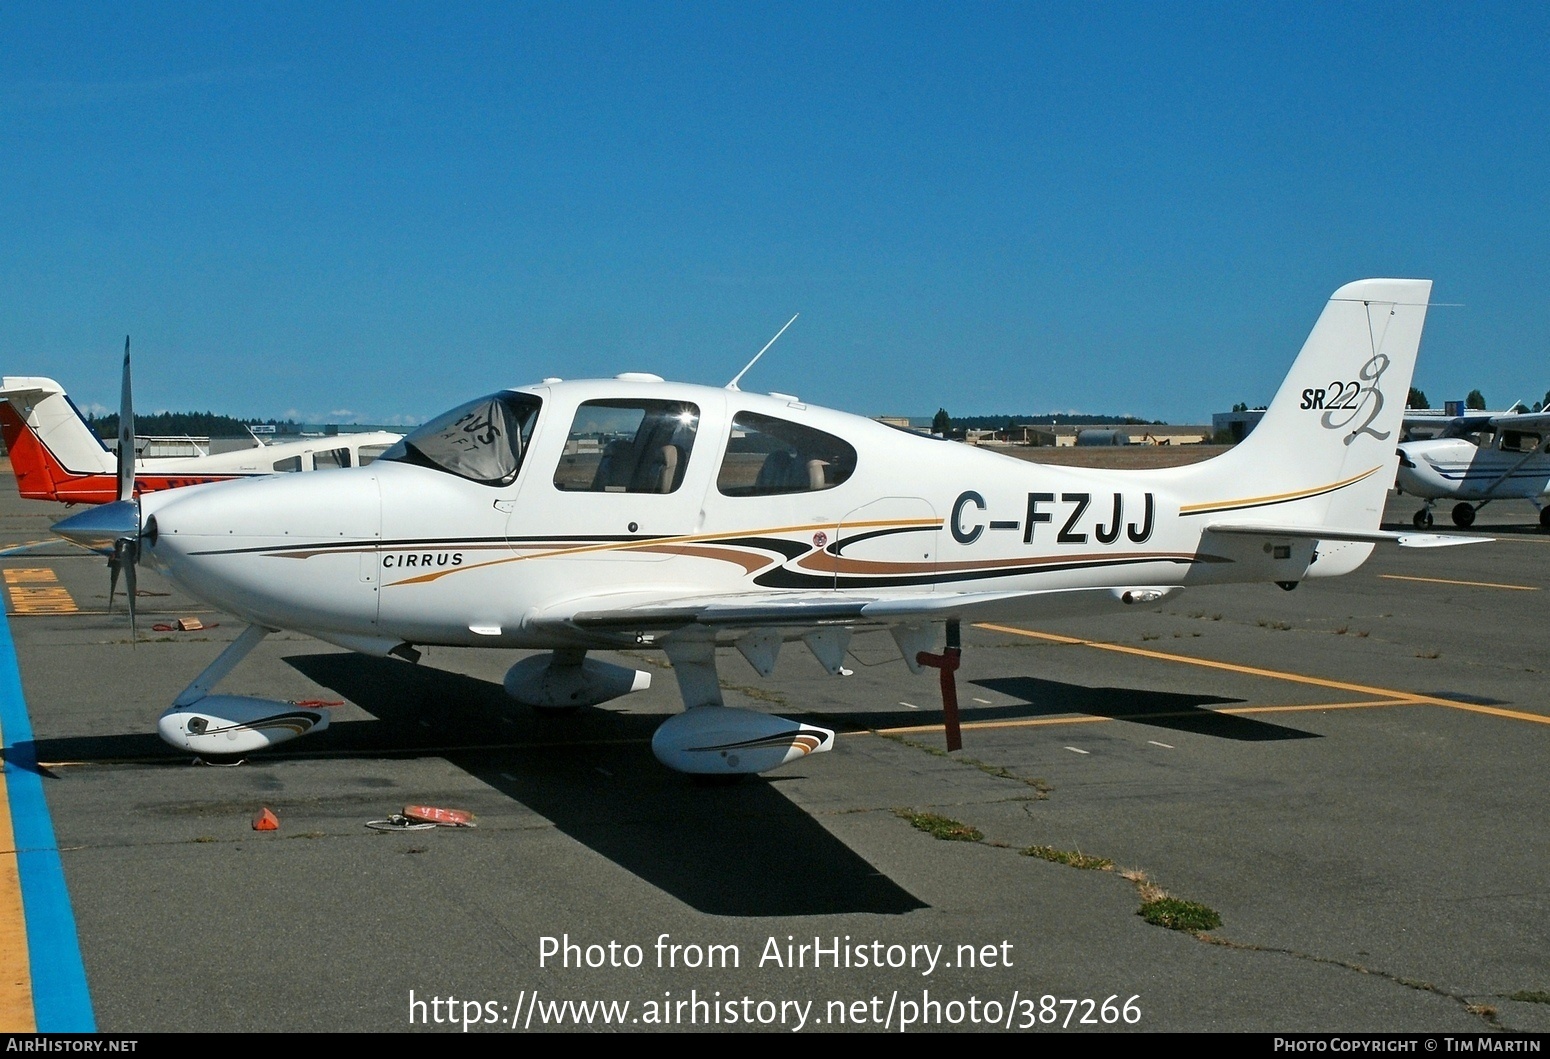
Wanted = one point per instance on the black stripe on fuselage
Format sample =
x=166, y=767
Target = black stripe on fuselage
x=784, y=577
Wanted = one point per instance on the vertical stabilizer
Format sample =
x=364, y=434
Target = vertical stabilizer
x=1324, y=453
x=49, y=443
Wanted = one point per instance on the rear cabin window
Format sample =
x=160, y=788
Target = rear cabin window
x=627, y=446
x=369, y=453
x=768, y=456
x=290, y=463
x=322, y=461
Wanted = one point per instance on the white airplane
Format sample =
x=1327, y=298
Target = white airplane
x=56, y=456
x=633, y=512
x=1476, y=459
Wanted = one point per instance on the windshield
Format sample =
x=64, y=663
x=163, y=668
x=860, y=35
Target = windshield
x=483, y=441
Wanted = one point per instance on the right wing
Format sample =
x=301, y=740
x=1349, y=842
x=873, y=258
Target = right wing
x=795, y=613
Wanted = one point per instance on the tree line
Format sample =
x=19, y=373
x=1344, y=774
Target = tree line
x=1474, y=401
x=188, y=424
x=946, y=425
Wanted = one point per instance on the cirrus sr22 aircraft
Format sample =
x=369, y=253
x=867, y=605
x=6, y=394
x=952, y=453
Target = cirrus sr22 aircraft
x=633, y=512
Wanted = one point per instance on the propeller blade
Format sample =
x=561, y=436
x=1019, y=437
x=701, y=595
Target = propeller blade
x=126, y=435
x=115, y=561
x=131, y=550
x=114, y=529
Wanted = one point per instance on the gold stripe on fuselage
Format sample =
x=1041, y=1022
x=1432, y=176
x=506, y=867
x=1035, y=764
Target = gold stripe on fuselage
x=1276, y=498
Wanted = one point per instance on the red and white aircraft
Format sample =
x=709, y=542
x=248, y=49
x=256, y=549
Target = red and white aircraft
x=633, y=512
x=56, y=456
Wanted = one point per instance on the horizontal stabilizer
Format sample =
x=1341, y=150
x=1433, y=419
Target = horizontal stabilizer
x=1331, y=533
x=27, y=388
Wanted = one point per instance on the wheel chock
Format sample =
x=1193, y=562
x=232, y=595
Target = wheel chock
x=266, y=820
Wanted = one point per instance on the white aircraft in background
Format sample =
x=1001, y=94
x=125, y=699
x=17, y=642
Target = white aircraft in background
x=637, y=513
x=1477, y=459
x=56, y=455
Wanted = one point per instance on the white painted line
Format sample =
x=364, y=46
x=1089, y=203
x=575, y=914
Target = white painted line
x=508, y=776
x=986, y=702
x=911, y=705
x=1074, y=750
x=603, y=771
x=1165, y=746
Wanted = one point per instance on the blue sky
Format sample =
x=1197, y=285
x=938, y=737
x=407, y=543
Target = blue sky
x=376, y=211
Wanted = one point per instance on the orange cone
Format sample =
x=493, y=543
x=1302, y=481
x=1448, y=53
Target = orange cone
x=266, y=821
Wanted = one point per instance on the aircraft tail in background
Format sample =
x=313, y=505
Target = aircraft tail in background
x=53, y=452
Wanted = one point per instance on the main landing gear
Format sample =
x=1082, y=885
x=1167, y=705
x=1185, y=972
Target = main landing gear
x=1463, y=515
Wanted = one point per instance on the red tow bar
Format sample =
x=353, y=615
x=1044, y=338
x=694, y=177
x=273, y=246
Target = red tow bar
x=947, y=662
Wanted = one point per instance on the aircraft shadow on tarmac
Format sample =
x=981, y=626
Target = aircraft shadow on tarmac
x=736, y=850
x=1185, y=712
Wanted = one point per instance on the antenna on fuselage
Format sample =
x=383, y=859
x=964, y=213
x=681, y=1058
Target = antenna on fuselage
x=733, y=384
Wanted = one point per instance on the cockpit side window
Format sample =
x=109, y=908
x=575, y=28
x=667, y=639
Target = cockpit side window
x=326, y=458
x=483, y=441
x=628, y=446
x=1520, y=441
x=767, y=456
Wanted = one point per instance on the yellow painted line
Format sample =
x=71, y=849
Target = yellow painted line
x=1040, y=722
x=1272, y=674
x=1028, y=722
x=1312, y=706
x=36, y=590
x=25, y=574
x=16, y=1010
x=1494, y=711
x=17, y=1014
x=1471, y=584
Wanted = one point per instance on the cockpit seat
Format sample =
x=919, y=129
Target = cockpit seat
x=785, y=471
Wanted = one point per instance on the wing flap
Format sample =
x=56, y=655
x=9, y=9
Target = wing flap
x=796, y=612
x=1270, y=531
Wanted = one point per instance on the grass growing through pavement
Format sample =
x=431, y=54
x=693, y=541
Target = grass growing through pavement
x=1156, y=908
x=1174, y=914
x=942, y=827
x=1074, y=858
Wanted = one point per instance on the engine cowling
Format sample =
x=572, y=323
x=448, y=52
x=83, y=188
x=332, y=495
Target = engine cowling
x=236, y=724
x=722, y=741
x=550, y=683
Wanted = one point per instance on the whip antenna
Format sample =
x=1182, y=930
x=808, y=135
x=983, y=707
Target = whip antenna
x=733, y=384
